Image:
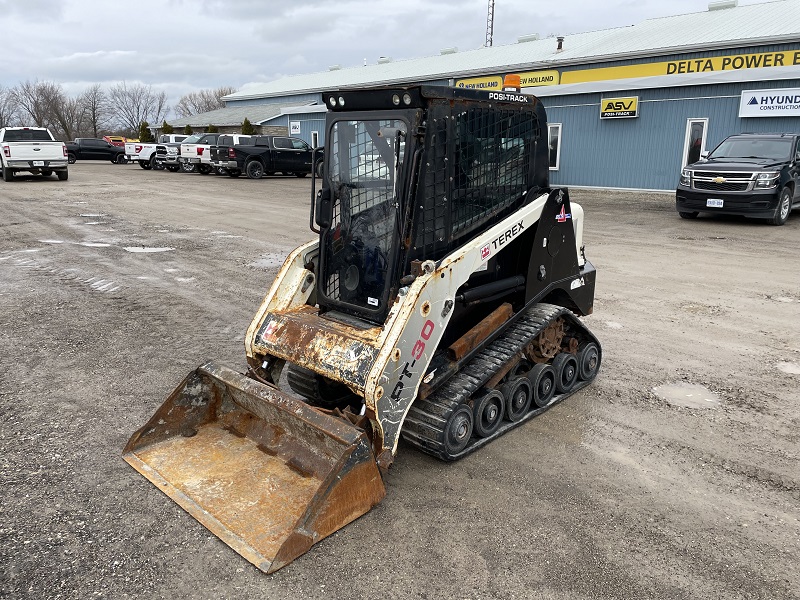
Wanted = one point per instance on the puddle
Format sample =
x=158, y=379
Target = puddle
x=171, y=270
x=95, y=244
x=92, y=215
x=145, y=249
x=689, y=395
x=184, y=279
x=789, y=368
x=52, y=241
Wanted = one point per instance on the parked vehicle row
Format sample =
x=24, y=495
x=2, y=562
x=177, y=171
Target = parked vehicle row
x=234, y=154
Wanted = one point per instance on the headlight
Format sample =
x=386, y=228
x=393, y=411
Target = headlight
x=768, y=179
x=686, y=177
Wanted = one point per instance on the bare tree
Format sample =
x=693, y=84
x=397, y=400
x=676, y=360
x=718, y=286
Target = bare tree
x=133, y=103
x=202, y=101
x=32, y=100
x=8, y=106
x=66, y=115
x=96, y=109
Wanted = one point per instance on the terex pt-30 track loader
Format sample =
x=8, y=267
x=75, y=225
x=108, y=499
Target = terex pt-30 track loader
x=439, y=303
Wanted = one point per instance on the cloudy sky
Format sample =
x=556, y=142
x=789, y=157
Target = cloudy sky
x=185, y=45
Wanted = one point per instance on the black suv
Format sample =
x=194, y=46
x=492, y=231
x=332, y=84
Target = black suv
x=750, y=174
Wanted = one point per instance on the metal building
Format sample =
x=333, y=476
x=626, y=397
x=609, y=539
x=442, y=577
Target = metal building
x=627, y=107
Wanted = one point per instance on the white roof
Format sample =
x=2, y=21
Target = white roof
x=755, y=24
x=234, y=115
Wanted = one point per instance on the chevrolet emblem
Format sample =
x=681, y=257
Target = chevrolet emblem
x=719, y=180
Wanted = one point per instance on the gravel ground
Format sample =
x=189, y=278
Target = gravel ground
x=630, y=489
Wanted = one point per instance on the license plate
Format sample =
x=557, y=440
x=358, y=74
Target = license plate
x=714, y=203
x=38, y=163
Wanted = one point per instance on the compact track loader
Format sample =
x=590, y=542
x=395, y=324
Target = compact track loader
x=439, y=303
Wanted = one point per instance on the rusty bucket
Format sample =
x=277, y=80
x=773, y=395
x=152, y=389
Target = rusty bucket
x=266, y=473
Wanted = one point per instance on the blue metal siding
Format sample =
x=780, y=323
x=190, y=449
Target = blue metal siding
x=308, y=122
x=645, y=152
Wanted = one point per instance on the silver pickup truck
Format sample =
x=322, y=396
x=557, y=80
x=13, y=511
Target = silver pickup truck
x=32, y=149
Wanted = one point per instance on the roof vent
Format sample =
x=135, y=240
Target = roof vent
x=720, y=4
x=532, y=37
x=452, y=50
x=560, y=43
x=384, y=59
x=334, y=68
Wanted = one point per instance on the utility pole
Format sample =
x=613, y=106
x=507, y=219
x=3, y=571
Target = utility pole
x=489, y=24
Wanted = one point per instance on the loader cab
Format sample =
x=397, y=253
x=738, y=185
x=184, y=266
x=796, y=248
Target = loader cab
x=430, y=167
x=369, y=144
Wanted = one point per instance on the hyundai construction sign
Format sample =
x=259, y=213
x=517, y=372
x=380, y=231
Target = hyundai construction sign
x=770, y=103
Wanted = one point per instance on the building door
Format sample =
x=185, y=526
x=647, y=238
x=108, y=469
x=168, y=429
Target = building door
x=695, y=142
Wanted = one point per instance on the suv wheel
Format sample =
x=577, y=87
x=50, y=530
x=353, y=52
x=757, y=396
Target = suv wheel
x=254, y=169
x=784, y=207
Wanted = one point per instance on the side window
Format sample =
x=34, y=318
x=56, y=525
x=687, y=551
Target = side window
x=282, y=143
x=554, y=144
x=797, y=150
x=225, y=140
x=299, y=144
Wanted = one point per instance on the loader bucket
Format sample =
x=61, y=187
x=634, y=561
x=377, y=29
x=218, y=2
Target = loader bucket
x=266, y=473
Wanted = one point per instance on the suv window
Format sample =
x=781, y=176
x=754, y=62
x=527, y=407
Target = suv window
x=28, y=135
x=299, y=144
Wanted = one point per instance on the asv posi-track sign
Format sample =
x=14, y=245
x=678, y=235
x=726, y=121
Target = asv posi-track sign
x=619, y=108
x=770, y=103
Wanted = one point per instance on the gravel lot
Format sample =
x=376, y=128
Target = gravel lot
x=631, y=489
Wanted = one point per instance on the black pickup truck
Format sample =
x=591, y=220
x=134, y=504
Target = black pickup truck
x=270, y=154
x=95, y=149
x=751, y=174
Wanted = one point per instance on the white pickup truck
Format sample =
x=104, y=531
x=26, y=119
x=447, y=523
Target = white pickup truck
x=32, y=149
x=145, y=153
x=196, y=153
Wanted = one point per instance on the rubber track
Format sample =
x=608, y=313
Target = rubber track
x=426, y=419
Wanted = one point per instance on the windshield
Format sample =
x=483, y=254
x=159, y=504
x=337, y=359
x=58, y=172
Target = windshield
x=192, y=139
x=741, y=147
x=28, y=135
x=366, y=158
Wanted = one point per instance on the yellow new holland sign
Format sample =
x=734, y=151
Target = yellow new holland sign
x=619, y=108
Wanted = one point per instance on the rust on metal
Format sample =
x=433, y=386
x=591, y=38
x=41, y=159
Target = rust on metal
x=470, y=340
x=548, y=343
x=266, y=473
x=338, y=351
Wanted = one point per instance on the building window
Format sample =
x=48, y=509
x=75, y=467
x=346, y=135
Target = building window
x=554, y=143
